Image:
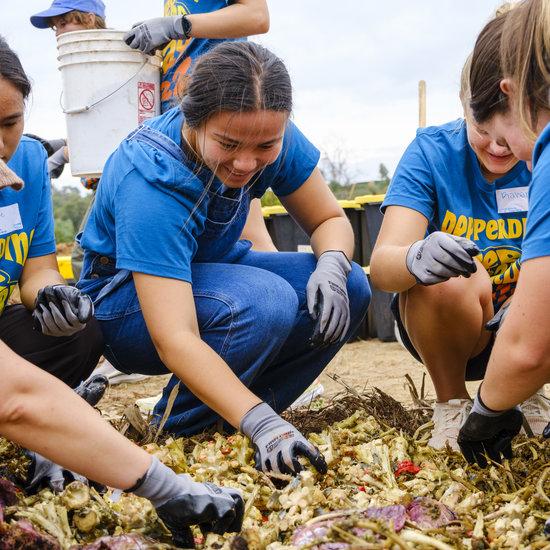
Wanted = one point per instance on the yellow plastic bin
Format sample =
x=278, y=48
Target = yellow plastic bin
x=354, y=211
x=66, y=268
x=285, y=233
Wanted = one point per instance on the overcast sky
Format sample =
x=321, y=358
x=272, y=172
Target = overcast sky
x=355, y=66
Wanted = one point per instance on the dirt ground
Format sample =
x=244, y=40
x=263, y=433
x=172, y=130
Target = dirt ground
x=359, y=364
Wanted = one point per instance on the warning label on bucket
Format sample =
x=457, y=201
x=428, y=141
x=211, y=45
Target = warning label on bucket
x=146, y=101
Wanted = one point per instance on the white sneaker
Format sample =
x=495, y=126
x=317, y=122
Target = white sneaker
x=115, y=376
x=448, y=418
x=312, y=392
x=537, y=411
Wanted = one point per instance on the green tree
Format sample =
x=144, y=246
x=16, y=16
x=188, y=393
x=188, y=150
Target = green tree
x=384, y=173
x=64, y=231
x=68, y=203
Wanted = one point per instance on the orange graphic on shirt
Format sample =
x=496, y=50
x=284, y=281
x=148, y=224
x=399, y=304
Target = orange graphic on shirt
x=171, y=54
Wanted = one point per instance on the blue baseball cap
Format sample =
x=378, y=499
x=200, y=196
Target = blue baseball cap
x=60, y=7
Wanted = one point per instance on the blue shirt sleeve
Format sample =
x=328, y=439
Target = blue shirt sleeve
x=158, y=217
x=412, y=185
x=536, y=242
x=294, y=165
x=43, y=240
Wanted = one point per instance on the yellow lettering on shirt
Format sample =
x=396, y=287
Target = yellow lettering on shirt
x=502, y=262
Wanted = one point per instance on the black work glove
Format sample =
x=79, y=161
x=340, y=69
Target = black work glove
x=327, y=298
x=45, y=473
x=61, y=310
x=93, y=389
x=278, y=444
x=181, y=502
x=495, y=323
x=441, y=256
x=488, y=432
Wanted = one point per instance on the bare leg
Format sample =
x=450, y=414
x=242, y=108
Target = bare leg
x=44, y=415
x=445, y=323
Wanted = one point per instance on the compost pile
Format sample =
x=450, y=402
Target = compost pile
x=385, y=488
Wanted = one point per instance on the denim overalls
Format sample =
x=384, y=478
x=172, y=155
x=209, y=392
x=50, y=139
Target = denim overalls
x=251, y=310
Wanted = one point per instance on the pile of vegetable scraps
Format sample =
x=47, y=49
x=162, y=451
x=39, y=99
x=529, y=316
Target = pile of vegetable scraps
x=384, y=489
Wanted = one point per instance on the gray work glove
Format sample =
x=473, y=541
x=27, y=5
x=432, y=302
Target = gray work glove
x=61, y=310
x=148, y=36
x=327, y=297
x=496, y=322
x=56, y=162
x=45, y=473
x=278, y=444
x=181, y=502
x=441, y=256
x=488, y=433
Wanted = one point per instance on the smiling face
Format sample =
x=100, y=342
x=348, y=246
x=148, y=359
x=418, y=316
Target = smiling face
x=507, y=129
x=236, y=146
x=12, y=110
x=495, y=157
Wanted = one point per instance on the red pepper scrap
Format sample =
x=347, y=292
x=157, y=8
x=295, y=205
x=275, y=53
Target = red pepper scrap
x=406, y=467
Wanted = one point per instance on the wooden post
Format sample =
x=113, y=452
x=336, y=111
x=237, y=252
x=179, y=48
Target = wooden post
x=422, y=104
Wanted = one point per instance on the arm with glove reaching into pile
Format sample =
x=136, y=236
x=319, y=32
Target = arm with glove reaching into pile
x=58, y=309
x=519, y=363
x=169, y=311
x=405, y=256
x=41, y=413
x=240, y=18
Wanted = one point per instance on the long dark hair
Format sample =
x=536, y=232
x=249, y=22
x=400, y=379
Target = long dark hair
x=236, y=77
x=486, y=97
x=12, y=70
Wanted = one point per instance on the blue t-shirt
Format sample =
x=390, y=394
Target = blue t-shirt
x=26, y=218
x=155, y=214
x=537, y=237
x=179, y=55
x=440, y=177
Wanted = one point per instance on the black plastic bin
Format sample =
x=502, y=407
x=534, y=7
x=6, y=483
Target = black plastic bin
x=380, y=318
x=285, y=233
x=354, y=213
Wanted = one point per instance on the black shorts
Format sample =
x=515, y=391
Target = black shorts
x=475, y=367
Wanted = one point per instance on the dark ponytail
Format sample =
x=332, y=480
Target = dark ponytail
x=12, y=70
x=236, y=77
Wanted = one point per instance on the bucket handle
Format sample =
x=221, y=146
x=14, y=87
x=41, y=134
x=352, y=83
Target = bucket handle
x=88, y=107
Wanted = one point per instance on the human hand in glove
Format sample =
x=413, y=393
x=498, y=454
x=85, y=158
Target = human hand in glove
x=327, y=297
x=44, y=472
x=61, y=310
x=181, y=502
x=278, y=444
x=148, y=36
x=488, y=432
x=496, y=322
x=441, y=256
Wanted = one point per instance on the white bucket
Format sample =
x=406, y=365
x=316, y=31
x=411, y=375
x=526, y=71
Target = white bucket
x=108, y=90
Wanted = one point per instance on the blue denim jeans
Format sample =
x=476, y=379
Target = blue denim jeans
x=253, y=313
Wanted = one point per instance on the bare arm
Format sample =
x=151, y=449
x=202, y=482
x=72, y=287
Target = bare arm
x=520, y=360
x=256, y=231
x=41, y=413
x=317, y=211
x=243, y=18
x=169, y=310
x=401, y=227
x=38, y=273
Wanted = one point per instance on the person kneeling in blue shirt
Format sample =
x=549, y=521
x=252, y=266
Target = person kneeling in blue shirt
x=54, y=327
x=175, y=290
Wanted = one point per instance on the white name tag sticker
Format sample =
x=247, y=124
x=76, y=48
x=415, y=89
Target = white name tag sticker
x=10, y=219
x=515, y=199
